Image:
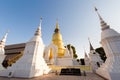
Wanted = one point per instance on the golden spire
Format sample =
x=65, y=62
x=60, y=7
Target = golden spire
x=57, y=40
x=57, y=27
x=51, y=54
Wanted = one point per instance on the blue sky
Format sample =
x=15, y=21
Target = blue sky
x=77, y=20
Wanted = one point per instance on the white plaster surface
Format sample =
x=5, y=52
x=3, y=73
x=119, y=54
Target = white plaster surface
x=32, y=63
x=111, y=43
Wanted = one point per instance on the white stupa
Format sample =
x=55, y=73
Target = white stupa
x=110, y=40
x=94, y=57
x=86, y=58
x=2, y=51
x=51, y=49
x=32, y=63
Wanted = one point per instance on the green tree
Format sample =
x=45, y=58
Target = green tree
x=82, y=61
x=74, y=50
x=101, y=52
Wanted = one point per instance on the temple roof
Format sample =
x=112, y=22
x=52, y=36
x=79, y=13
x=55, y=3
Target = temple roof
x=13, y=53
x=14, y=48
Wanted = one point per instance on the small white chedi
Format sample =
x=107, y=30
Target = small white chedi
x=110, y=40
x=2, y=52
x=32, y=63
x=94, y=58
x=86, y=59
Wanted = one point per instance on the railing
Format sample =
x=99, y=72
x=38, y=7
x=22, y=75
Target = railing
x=82, y=67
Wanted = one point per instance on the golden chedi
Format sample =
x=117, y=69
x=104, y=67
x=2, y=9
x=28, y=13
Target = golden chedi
x=57, y=40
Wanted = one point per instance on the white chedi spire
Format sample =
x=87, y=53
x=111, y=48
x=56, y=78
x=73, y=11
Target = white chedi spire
x=38, y=31
x=37, y=35
x=91, y=47
x=2, y=42
x=67, y=53
x=85, y=54
x=71, y=51
x=106, y=30
x=86, y=58
x=102, y=22
x=110, y=40
x=2, y=45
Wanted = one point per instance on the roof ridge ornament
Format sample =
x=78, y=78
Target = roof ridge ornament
x=91, y=47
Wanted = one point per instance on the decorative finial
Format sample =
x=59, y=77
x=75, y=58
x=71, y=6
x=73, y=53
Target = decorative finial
x=57, y=27
x=85, y=54
x=57, y=20
x=2, y=42
x=8, y=31
x=96, y=9
x=89, y=39
x=91, y=47
x=38, y=31
x=98, y=14
x=102, y=22
x=40, y=22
